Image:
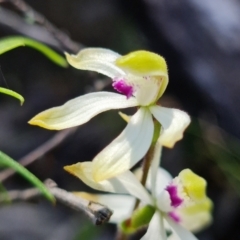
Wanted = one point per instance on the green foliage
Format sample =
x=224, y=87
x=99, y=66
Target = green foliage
x=4, y=194
x=10, y=43
x=6, y=161
x=211, y=142
x=13, y=94
x=88, y=231
x=140, y=218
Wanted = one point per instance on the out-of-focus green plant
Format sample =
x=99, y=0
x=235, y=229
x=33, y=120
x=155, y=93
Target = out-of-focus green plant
x=224, y=149
x=88, y=231
x=6, y=161
x=9, y=43
x=13, y=94
x=4, y=193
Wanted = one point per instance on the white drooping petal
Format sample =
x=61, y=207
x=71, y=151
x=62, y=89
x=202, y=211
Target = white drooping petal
x=155, y=229
x=84, y=172
x=164, y=202
x=96, y=59
x=173, y=121
x=181, y=232
x=125, y=183
x=173, y=236
x=121, y=205
x=134, y=187
x=163, y=179
x=127, y=149
x=160, y=182
x=80, y=110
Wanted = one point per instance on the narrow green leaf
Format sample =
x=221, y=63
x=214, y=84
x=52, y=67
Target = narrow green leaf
x=9, y=43
x=13, y=94
x=9, y=162
x=4, y=194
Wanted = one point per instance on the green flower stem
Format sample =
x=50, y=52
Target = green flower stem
x=147, y=163
x=121, y=236
x=148, y=158
x=146, y=166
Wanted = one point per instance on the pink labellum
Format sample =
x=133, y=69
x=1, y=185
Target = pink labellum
x=175, y=199
x=121, y=86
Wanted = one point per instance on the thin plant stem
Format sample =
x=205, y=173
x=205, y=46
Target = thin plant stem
x=146, y=166
x=121, y=236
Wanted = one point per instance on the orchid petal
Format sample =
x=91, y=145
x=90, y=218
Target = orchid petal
x=156, y=229
x=80, y=110
x=134, y=187
x=123, y=183
x=149, y=65
x=158, y=183
x=143, y=63
x=84, y=172
x=164, y=202
x=121, y=205
x=173, y=122
x=182, y=233
x=127, y=149
x=194, y=185
x=173, y=236
x=96, y=59
x=196, y=217
x=196, y=222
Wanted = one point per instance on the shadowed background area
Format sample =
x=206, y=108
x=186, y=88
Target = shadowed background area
x=200, y=42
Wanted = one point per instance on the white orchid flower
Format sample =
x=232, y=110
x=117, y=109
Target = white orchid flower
x=175, y=201
x=169, y=201
x=141, y=77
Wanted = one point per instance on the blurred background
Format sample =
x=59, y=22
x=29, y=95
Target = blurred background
x=200, y=41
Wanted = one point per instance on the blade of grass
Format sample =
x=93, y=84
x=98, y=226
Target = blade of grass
x=12, y=42
x=4, y=194
x=6, y=161
x=13, y=94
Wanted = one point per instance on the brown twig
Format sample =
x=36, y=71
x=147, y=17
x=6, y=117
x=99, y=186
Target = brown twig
x=35, y=17
x=39, y=152
x=97, y=212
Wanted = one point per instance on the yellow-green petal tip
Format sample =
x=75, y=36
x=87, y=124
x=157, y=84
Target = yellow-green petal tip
x=143, y=62
x=194, y=185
